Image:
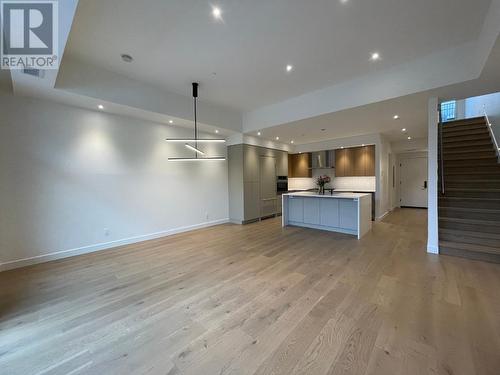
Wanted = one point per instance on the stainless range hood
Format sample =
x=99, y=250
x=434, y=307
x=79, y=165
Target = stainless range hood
x=323, y=160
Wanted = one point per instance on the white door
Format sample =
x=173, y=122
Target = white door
x=413, y=174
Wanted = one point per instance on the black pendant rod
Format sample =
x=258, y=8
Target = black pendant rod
x=195, y=96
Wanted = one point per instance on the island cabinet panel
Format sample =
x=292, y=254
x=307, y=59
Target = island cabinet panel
x=311, y=211
x=329, y=213
x=296, y=210
x=348, y=213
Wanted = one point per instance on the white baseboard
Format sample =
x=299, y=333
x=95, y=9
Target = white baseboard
x=103, y=246
x=381, y=217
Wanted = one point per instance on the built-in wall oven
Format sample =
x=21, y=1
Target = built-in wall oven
x=281, y=184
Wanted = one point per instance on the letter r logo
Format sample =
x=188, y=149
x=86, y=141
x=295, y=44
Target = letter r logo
x=28, y=27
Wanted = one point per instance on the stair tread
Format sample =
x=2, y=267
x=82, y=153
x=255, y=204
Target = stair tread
x=470, y=233
x=486, y=190
x=474, y=199
x=470, y=221
x=471, y=247
x=477, y=210
x=468, y=151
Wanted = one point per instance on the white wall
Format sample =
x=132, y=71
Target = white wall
x=67, y=174
x=474, y=107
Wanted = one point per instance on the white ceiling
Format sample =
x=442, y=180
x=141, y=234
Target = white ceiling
x=176, y=42
x=369, y=119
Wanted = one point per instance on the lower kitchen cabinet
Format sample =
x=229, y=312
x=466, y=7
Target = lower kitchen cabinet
x=311, y=211
x=296, y=210
x=348, y=214
x=329, y=213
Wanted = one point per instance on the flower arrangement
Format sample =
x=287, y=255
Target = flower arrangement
x=321, y=181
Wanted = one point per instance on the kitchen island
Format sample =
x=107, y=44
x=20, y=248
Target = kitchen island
x=348, y=213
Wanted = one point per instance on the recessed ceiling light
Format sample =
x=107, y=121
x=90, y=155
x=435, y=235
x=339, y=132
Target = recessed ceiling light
x=289, y=68
x=258, y=133
x=396, y=117
x=342, y=147
x=409, y=138
x=100, y=106
x=292, y=142
x=375, y=56
x=403, y=130
x=170, y=121
x=277, y=138
x=127, y=58
x=344, y=1
x=217, y=13
x=216, y=131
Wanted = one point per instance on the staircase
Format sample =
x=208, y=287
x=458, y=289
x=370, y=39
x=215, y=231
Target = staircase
x=469, y=210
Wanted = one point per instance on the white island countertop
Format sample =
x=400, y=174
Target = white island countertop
x=328, y=195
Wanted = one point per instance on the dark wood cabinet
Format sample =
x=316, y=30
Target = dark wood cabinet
x=299, y=165
x=370, y=161
x=355, y=161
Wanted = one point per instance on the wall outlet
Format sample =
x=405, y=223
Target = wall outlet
x=106, y=232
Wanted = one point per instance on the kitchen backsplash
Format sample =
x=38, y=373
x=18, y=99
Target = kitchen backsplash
x=344, y=183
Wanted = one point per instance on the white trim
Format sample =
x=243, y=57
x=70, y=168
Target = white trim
x=103, y=246
x=431, y=249
x=381, y=217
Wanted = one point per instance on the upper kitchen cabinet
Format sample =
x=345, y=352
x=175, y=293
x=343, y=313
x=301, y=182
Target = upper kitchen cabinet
x=370, y=161
x=299, y=165
x=281, y=163
x=355, y=161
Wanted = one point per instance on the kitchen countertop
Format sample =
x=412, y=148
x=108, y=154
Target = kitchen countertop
x=334, y=195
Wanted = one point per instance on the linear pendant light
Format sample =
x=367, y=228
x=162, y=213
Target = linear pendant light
x=195, y=140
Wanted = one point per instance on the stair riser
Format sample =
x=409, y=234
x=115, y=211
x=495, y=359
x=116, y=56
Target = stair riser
x=450, y=213
x=470, y=155
x=451, y=129
x=470, y=177
x=469, y=227
x=471, y=163
x=453, y=134
x=471, y=184
x=480, y=143
x=471, y=194
x=487, y=170
x=464, y=203
x=467, y=150
x=469, y=254
x=469, y=239
x=465, y=138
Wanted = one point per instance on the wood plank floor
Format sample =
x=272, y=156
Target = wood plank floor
x=256, y=299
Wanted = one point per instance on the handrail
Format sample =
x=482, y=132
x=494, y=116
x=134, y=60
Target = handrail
x=495, y=143
x=441, y=161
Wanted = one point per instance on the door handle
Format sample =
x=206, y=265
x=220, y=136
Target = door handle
x=425, y=184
